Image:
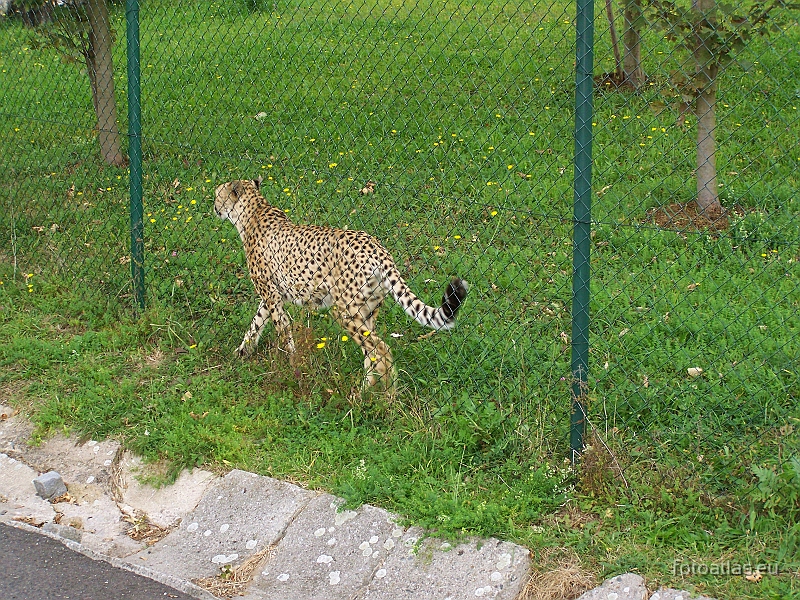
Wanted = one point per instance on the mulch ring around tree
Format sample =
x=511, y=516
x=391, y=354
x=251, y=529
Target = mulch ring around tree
x=616, y=82
x=687, y=217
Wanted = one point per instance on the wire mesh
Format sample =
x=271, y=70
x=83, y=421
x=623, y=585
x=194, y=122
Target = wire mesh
x=444, y=128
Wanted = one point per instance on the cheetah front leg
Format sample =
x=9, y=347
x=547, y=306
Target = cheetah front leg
x=283, y=327
x=250, y=341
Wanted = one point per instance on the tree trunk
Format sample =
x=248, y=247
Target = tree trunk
x=706, y=71
x=612, y=28
x=101, y=76
x=632, y=42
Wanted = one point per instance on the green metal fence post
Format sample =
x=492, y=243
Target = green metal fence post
x=584, y=85
x=135, y=150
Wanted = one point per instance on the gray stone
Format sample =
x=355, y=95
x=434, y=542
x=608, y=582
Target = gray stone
x=85, y=463
x=49, y=485
x=327, y=554
x=672, y=594
x=20, y=499
x=622, y=587
x=240, y=515
x=434, y=570
x=64, y=531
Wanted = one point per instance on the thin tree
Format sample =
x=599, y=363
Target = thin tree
x=706, y=69
x=81, y=31
x=634, y=21
x=711, y=34
x=628, y=65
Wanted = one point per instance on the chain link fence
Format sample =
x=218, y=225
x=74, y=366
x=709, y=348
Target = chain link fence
x=445, y=129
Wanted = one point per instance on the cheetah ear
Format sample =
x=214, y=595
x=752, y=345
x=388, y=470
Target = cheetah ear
x=236, y=188
x=257, y=182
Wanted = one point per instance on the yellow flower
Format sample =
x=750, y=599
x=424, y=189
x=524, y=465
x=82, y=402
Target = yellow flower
x=321, y=345
x=344, y=337
x=365, y=333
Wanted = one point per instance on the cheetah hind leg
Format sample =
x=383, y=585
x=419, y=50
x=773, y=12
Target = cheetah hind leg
x=378, y=362
x=379, y=367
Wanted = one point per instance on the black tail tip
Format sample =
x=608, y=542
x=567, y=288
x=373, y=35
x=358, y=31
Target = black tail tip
x=454, y=296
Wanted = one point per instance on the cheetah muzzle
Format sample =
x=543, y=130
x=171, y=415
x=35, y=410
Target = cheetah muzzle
x=348, y=272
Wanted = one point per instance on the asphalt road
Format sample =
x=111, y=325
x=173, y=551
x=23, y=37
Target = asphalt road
x=36, y=567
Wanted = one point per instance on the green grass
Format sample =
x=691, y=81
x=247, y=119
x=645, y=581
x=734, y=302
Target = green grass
x=462, y=115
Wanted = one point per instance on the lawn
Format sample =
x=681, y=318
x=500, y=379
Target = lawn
x=462, y=117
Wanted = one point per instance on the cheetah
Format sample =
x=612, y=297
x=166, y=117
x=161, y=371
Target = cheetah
x=345, y=271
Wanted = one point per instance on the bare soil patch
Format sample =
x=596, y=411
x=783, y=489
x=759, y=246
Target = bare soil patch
x=687, y=217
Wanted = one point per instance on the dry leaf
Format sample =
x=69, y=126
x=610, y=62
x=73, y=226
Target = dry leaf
x=658, y=107
x=754, y=577
x=692, y=286
x=369, y=188
x=694, y=371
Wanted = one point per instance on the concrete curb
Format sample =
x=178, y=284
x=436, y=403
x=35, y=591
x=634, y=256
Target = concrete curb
x=273, y=539
x=204, y=524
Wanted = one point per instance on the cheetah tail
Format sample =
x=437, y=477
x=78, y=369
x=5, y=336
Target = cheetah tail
x=441, y=318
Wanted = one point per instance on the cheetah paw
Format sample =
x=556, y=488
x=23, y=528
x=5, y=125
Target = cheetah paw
x=245, y=349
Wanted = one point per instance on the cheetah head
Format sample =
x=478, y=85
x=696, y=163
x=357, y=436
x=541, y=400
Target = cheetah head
x=229, y=197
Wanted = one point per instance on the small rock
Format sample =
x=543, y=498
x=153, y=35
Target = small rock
x=64, y=531
x=622, y=587
x=50, y=485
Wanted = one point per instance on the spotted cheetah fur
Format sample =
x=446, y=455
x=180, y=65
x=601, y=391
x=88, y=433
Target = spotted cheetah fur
x=346, y=271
